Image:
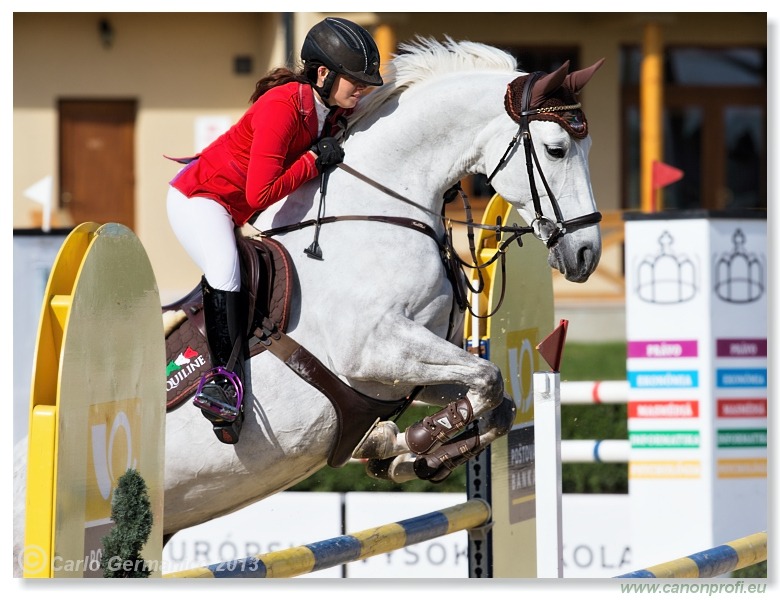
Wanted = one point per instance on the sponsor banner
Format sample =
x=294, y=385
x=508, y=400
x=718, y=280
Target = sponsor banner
x=737, y=408
x=663, y=379
x=596, y=540
x=741, y=438
x=663, y=409
x=734, y=468
x=522, y=475
x=663, y=349
x=664, y=439
x=728, y=378
x=741, y=348
x=664, y=469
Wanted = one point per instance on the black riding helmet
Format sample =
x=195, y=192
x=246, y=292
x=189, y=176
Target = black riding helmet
x=344, y=47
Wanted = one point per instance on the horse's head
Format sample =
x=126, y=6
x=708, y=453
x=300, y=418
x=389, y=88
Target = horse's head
x=545, y=175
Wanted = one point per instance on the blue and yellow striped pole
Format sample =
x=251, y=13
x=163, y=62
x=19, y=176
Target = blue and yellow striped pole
x=716, y=561
x=349, y=548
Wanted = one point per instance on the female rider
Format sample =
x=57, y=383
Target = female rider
x=282, y=141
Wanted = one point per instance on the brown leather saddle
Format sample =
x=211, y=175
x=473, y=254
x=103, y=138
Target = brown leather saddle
x=268, y=277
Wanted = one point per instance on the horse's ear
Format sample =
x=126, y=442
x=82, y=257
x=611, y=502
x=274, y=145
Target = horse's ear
x=577, y=80
x=547, y=84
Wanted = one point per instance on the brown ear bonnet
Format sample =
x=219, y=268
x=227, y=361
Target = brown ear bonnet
x=553, y=97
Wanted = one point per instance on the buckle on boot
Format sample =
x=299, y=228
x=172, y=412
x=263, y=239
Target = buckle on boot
x=212, y=398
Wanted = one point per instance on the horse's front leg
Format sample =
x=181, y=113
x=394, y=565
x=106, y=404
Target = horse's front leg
x=439, y=464
x=412, y=355
x=385, y=440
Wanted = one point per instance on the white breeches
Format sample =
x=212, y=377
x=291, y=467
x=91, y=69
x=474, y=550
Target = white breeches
x=206, y=231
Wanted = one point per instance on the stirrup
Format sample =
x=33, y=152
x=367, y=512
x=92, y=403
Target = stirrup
x=211, y=396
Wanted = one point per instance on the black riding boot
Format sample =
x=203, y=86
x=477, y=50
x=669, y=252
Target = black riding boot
x=220, y=393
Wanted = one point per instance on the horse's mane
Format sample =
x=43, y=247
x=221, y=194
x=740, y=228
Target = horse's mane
x=425, y=58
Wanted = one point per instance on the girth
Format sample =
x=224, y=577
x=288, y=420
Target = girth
x=359, y=410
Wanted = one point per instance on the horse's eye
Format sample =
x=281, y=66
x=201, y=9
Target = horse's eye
x=556, y=151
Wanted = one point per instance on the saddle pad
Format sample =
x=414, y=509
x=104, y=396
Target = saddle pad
x=187, y=355
x=267, y=274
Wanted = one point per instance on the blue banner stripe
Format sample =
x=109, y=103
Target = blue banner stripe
x=662, y=379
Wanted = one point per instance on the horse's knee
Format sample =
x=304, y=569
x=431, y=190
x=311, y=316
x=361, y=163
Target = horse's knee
x=492, y=387
x=503, y=416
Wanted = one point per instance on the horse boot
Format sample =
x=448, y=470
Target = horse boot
x=221, y=390
x=439, y=464
x=430, y=433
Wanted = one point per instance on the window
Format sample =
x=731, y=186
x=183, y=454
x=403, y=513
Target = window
x=714, y=127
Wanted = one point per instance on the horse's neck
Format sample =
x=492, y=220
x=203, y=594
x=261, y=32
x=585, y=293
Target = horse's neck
x=432, y=138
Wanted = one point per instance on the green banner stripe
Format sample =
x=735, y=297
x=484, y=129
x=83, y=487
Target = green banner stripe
x=664, y=439
x=741, y=438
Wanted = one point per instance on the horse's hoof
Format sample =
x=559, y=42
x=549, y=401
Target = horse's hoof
x=379, y=468
x=379, y=442
x=394, y=469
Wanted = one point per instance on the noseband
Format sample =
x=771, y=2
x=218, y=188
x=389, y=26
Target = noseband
x=544, y=228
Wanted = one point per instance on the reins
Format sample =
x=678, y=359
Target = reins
x=446, y=248
x=542, y=227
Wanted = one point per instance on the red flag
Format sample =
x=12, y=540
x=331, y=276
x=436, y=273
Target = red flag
x=664, y=175
x=551, y=347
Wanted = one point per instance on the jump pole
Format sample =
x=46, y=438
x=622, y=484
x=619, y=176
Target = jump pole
x=732, y=556
x=348, y=548
x=97, y=403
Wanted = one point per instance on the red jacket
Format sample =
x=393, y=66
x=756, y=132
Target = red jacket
x=262, y=158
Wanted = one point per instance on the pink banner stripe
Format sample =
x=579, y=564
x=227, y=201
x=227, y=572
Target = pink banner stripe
x=663, y=349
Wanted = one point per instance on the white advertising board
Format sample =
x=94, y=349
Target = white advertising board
x=595, y=534
x=281, y=521
x=696, y=330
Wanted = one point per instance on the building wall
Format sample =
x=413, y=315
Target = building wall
x=179, y=66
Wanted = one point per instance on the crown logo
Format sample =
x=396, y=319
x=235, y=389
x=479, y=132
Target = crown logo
x=666, y=278
x=739, y=275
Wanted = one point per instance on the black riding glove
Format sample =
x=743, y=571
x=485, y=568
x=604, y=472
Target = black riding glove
x=328, y=152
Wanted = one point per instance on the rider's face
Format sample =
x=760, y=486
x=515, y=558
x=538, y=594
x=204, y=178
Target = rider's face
x=345, y=92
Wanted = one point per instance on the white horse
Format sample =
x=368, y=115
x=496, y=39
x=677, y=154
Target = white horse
x=378, y=307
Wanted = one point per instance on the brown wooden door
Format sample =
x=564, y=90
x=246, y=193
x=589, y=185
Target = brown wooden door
x=97, y=166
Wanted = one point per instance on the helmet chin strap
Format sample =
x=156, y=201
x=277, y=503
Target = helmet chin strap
x=327, y=86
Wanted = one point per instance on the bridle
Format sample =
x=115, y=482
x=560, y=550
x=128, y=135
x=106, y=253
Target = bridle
x=547, y=230
x=544, y=228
